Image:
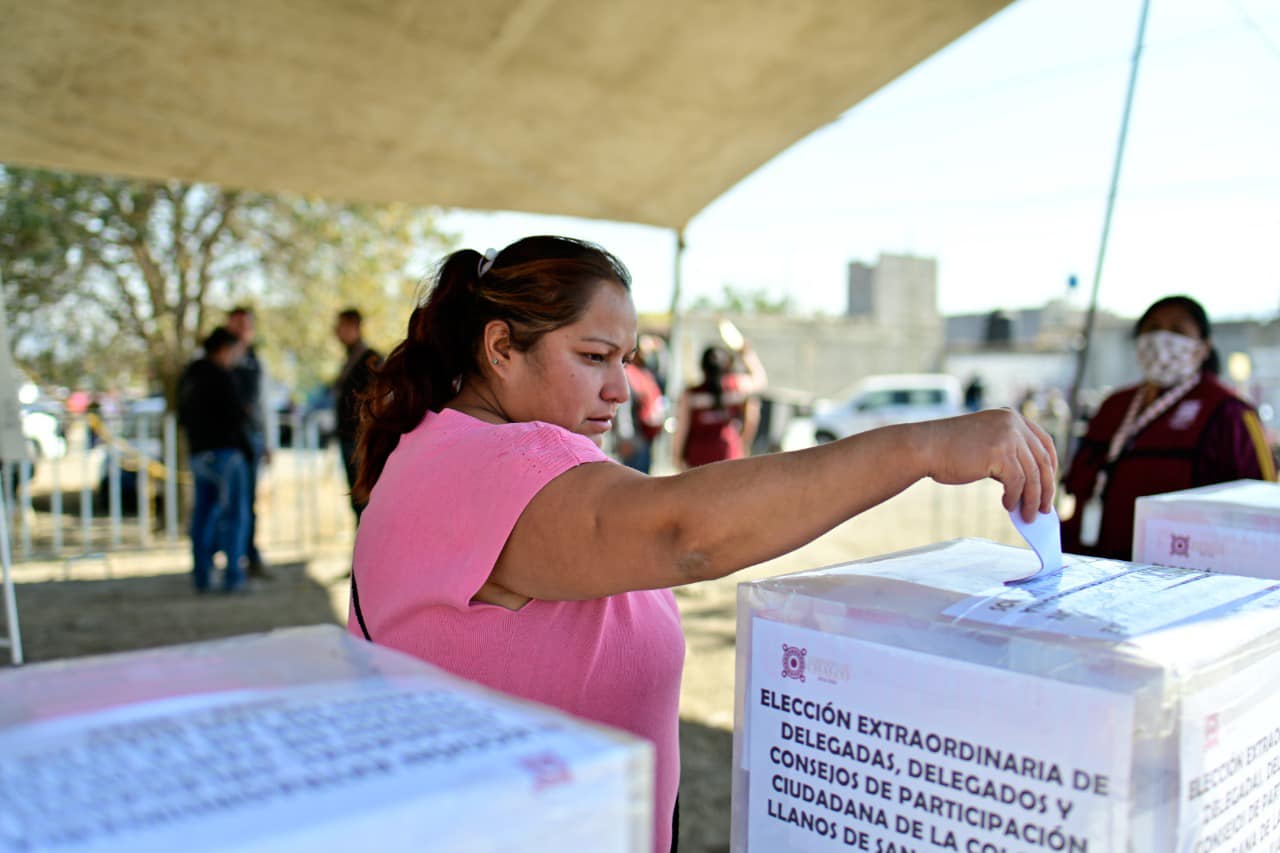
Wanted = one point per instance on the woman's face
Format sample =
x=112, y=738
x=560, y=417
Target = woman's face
x=573, y=377
x=1169, y=347
x=1176, y=319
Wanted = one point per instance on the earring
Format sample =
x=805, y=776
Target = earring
x=495, y=361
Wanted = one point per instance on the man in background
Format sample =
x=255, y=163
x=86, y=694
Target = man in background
x=209, y=410
x=247, y=373
x=352, y=382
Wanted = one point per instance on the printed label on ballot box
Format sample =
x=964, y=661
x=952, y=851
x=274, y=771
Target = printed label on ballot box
x=1217, y=548
x=1230, y=759
x=858, y=746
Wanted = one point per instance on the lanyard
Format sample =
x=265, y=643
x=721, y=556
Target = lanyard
x=1134, y=423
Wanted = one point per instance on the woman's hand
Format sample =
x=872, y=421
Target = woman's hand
x=1000, y=444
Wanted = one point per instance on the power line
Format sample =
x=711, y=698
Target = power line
x=1253, y=25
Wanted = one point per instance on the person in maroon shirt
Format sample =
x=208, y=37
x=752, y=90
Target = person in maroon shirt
x=1177, y=429
x=716, y=419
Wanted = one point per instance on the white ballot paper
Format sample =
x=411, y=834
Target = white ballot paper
x=1044, y=535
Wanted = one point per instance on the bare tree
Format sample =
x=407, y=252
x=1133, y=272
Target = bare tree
x=131, y=273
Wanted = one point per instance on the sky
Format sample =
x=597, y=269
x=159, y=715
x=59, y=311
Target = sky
x=994, y=156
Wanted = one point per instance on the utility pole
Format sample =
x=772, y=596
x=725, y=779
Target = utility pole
x=1082, y=355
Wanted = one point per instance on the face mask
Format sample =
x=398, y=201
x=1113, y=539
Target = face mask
x=1167, y=358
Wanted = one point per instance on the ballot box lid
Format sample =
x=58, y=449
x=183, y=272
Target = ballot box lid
x=1240, y=494
x=1094, y=615
x=281, y=658
x=303, y=739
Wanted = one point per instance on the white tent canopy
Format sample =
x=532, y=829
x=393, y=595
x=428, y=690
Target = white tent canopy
x=632, y=110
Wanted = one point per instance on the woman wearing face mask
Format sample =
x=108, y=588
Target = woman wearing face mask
x=1177, y=429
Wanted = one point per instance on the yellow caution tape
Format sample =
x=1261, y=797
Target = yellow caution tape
x=130, y=455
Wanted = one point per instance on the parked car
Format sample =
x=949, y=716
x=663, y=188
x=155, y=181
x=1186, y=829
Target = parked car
x=889, y=399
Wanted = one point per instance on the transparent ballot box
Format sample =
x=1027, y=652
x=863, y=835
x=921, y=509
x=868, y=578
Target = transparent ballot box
x=1229, y=527
x=916, y=702
x=304, y=739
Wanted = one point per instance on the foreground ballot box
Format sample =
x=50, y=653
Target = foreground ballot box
x=304, y=739
x=1229, y=527
x=915, y=702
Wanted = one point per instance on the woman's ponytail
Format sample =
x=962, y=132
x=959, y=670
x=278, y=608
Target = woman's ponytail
x=421, y=373
x=715, y=364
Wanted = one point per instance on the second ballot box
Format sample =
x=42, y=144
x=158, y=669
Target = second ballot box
x=303, y=739
x=916, y=702
x=1228, y=527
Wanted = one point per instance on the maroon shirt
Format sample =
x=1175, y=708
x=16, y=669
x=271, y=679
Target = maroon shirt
x=1209, y=436
x=715, y=432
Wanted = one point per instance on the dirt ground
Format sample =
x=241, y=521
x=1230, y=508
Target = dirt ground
x=143, y=599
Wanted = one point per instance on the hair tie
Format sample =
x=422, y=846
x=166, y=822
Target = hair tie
x=486, y=263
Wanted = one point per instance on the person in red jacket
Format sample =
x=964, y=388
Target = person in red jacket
x=717, y=418
x=1177, y=429
x=639, y=422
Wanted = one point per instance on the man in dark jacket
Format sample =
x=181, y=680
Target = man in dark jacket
x=247, y=372
x=210, y=411
x=352, y=382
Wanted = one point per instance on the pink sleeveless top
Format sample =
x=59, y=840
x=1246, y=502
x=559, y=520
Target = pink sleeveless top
x=437, y=520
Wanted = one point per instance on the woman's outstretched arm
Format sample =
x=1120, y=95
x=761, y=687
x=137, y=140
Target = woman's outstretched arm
x=601, y=529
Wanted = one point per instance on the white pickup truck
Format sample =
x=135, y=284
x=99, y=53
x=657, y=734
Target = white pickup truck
x=889, y=399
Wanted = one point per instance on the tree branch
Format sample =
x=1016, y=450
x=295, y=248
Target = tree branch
x=205, y=256
x=134, y=318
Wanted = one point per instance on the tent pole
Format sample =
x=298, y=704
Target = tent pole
x=1082, y=356
x=14, y=450
x=675, y=362
x=14, y=638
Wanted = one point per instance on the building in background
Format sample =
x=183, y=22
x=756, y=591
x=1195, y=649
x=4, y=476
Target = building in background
x=1033, y=351
x=900, y=290
x=891, y=325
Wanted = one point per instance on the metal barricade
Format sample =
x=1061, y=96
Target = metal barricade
x=125, y=472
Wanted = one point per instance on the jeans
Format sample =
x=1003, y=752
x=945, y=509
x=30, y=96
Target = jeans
x=220, y=519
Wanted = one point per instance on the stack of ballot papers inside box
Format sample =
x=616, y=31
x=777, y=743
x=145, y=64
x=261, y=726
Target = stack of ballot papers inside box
x=303, y=739
x=916, y=702
x=1229, y=527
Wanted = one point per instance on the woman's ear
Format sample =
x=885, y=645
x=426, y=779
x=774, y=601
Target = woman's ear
x=497, y=342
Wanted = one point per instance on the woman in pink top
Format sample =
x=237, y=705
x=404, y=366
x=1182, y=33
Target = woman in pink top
x=501, y=544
